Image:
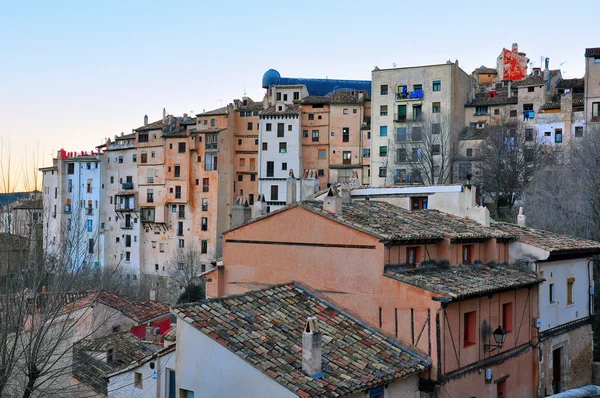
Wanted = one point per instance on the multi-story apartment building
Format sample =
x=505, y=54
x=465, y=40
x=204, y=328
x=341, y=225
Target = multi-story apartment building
x=119, y=205
x=71, y=213
x=246, y=129
x=332, y=138
x=415, y=118
x=592, y=86
x=282, y=147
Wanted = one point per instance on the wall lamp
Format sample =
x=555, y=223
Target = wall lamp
x=499, y=337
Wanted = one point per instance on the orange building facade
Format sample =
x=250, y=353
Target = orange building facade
x=410, y=276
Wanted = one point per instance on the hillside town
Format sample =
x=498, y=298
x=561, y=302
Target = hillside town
x=431, y=232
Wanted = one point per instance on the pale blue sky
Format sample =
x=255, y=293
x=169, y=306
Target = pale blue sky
x=74, y=72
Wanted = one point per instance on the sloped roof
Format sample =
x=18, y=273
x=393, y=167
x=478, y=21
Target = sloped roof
x=592, y=52
x=214, y=112
x=157, y=125
x=549, y=241
x=570, y=83
x=485, y=70
x=339, y=97
x=501, y=98
x=532, y=80
x=138, y=310
x=289, y=110
x=265, y=329
x=464, y=281
x=388, y=222
x=555, y=103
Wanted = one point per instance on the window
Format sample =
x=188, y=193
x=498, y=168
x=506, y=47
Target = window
x=469, y=152
x=91, y=246
x=467, y=254
x=296, y=95
x=558, y=139
x=513, y=113
x=578, y=131
x=204, y=204
x=417, y=112
x=280, y=129
x=416, y=134
x=470, y=329
x=436, y=128
x=182, y=147
x=187, y=393
x=144, y=158
x=347, y=157
x=120, y=159
x=284, y=166
x=383, y=150
x=311, y=116
x=595, y=111
x=481, y=110
x=142, y=137
x=285, y=97
x=240, y=177
x=205, y=184
x=412, y=255
x=528, y=134
x=436, y=107
x=181, y=243
x=204, y=224
x=253, y=177
x=283, y=147
x=155, y=267
x=400, y=155
x=315, y=136
x=551, y=292
x=530, y=89
x=401, y=134
x=496, y=111
x=270, y=169
x=435, y=149
x=383, y=110
x=570, y=283
x=265, y=146
x=417, y=154
x=278, y=96
x=382, y=172
x=322, y=154
x=110, y=355
x=181, y=211
x=464, y=169
x=418, y=203
x=177, y=192
x=204, y=246
x=384, y=89
x=212, y=122
x=345, y=134
x=383, y=131
x=529, y=154
x=321, y=173
x=345, y=112
x=177, y=171
x=547, y=134
x=376, y=392
x=70, y=168
x=289, y=127
x=507, y=317
x=268, y=127
x=274, y=192
x=437, y=85
x=366, y=152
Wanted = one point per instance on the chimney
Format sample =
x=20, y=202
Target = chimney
x=546, y=69
x=164, y=115
x=515, y=47
x=260, y=206
x=241, y=212
x=332, y=203
x=521, y=218
x=311, y=348
x=509, y=88
x=291, y=188
x=145, y=120
x=345, y=194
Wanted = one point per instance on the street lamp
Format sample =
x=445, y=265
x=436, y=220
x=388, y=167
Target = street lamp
x=499, y=337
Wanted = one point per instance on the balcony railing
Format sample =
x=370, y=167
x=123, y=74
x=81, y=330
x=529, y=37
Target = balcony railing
x=210, y=167
x=127, y=185
x=409, y=95
x=127, y=225
x=89, y=211
x=399, y=117
x=210, y=145
x=481, y=113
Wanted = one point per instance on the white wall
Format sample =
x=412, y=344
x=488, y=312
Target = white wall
x=122, y=385
x=211, y=370
x=557, y=273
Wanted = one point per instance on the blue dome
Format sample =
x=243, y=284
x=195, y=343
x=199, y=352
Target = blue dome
x=270, y=78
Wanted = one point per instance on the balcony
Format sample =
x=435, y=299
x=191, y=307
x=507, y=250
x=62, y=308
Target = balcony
x=528, y=115
x=399, y=117
x=89, y=211
x=210, y=146
x=410, y=95
x=127, y=186
x=481, y=113
x=210, y=167
x=127, y=225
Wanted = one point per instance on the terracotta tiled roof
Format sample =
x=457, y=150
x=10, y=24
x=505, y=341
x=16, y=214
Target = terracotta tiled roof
x=157, y=125
x=289, y=110
x=203, y=130
x=127, y=349
x=570, y=83
x=532, y=80
x=188, y=121
x=140, y=311
x=265, y=328
x=214, y=112
x=486, y=71
x=388, y=222
x=29, y=204
x=463, y=281
x=481, y=99
x=340, y=98
x=556, y=104
x=252, y=106
x=549, y=241
x=592, y=52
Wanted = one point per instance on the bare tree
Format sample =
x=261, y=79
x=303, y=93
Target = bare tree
x=185, y=267
x=421, y=150
x=508, y=155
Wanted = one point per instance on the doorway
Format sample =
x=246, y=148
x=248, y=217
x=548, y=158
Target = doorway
x=501, y=389
x=557, y=370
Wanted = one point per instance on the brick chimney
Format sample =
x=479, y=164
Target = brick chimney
x=241, y=212
x=312, y=343
x=332, y=203
x=521, y=218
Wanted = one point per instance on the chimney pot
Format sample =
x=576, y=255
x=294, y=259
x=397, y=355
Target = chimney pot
x=521, y=218
x=164, y=115
x=241, y=212
x=332, y=203
x=145, y=120
x=312, y=342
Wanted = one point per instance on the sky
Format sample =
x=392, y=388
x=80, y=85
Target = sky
x=73, y=73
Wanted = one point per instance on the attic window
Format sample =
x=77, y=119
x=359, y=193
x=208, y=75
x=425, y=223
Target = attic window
x=138, y=380
x=116, y=329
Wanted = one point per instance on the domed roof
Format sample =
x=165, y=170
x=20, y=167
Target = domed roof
x=270, y=78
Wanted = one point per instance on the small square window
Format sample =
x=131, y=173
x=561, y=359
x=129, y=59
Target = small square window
x=345, y=111
x=513, y=113
x=578, y=131
x=496, y=111
x=384, y=89
x=469, y=152
x=283, y=166
x=530, y=89
x=437, y=85
x=321, y=173
x=138, y=380
x=470, y=328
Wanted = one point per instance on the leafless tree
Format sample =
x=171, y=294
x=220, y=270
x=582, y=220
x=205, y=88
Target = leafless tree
x=421, y=151
x=185, y=267
x=507, y=156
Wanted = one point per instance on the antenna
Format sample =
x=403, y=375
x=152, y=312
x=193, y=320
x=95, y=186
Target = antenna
x=244, y=89
x=220, y=100
x=393, y=64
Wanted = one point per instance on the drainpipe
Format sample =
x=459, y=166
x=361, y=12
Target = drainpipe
x=590, y=294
